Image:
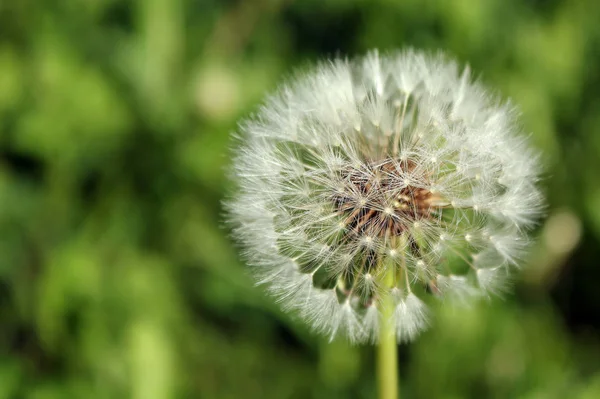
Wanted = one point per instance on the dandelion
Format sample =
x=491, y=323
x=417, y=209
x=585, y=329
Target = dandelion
x=370, y=187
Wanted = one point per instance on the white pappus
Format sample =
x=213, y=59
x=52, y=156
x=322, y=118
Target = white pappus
x=395, y=163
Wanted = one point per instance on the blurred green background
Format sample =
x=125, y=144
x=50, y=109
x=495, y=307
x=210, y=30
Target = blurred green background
x=117, y=277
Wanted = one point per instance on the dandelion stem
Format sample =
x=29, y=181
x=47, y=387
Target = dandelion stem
x=387, y=351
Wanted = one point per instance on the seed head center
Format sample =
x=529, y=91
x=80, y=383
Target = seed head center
x=382, y=198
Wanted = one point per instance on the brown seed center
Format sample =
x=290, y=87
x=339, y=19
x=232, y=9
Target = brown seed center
x=383, y=198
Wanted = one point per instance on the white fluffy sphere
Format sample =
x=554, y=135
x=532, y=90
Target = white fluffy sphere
x=389, y=176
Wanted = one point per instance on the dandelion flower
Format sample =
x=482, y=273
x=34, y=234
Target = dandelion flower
x=384, y=178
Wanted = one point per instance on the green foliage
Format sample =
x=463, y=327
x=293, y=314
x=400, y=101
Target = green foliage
x=117, y=278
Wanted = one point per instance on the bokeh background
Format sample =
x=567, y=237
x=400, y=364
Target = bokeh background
x=117, y=276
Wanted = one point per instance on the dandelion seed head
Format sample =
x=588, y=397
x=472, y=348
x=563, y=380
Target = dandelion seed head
x=396, y=162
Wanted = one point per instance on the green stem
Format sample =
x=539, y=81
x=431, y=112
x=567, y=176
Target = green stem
x=387, y=351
